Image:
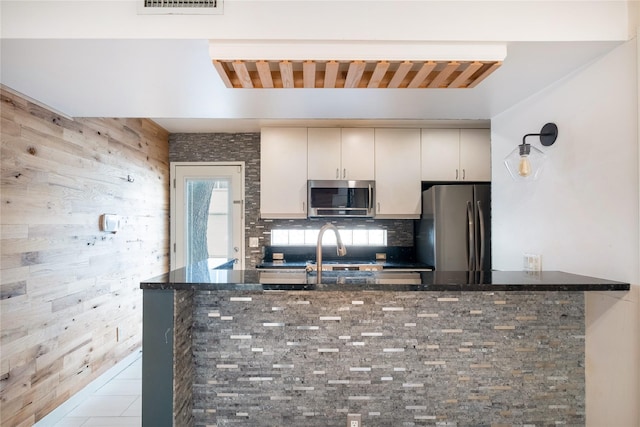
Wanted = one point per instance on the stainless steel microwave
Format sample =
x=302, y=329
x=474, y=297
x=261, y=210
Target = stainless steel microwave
x=341, y=198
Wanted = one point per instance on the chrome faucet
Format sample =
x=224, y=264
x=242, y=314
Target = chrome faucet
x=342, y=250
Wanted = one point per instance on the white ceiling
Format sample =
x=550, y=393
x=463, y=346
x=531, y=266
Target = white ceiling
x=172, y=81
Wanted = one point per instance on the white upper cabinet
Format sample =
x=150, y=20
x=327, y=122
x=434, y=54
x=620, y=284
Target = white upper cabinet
x=398, y=186
x=283, y=173
x=456, y=155
x=358, y=159
x=323, y=156
x=335, y=153
x=475, y=154
x=440, y=154
x=398, y=159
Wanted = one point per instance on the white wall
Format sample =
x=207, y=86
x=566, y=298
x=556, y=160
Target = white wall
x=325, y=20
x=582, y=215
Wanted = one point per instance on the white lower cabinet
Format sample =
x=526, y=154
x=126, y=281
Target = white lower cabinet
x=283, y=173
x=398, y=185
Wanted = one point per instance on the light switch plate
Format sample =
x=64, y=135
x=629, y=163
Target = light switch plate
x=109, y=223
x=253, y=242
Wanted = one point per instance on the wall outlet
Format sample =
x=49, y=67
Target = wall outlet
x=354, y=420
x=253, y=242
x=532, y=262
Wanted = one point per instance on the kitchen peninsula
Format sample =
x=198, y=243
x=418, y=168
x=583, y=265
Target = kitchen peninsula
x=225, y=347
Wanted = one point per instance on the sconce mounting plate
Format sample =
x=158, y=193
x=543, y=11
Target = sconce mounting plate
x=548, y=134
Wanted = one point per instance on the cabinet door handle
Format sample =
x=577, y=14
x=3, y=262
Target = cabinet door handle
x=303, y=209
x=456, y=174
x=337, y=173
x=464, y=174
x=344, y=173
x=378, y=207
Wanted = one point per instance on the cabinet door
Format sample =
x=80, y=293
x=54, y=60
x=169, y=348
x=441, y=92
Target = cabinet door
x=283, y=170
x=398, y=186
x=440, y=155
x=323, y=157
x=358, y=162
x=475, y=154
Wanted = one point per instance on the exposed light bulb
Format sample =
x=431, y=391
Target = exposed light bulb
x=524, y=162
x=524, y=167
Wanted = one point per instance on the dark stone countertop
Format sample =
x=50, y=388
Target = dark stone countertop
x=299, y=265
x=201, y=276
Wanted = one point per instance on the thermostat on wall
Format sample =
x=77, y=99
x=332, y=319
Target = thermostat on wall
x=109, y=223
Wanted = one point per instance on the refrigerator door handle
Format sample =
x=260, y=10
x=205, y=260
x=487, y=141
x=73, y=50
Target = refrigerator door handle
x=480, y=260
x=471, y=237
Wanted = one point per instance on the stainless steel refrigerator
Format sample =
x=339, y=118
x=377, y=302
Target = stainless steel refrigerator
x=454, y=232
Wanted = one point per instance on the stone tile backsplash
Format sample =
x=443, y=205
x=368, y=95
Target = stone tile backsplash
x=228, y=147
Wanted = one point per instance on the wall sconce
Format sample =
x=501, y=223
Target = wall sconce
x=525, y=162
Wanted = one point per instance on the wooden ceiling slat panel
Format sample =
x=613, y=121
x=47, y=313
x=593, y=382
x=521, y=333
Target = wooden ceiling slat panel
x=264, y=72
x=422, y=74
x=219, y=66
x=240, y=67
x=354, y=75
x=286, y=72
x=378, y=74
x=400, y=74
x=309, y=74
x=485, y=74
x=464, y=76
x=442, y=76
x=331, y=74
x=372, y=74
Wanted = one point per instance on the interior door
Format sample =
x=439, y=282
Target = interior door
x=207, y=213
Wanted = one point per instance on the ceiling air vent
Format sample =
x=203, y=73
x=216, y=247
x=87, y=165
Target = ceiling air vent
x=180, y=7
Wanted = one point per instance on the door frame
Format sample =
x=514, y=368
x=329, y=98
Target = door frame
x=173, y=207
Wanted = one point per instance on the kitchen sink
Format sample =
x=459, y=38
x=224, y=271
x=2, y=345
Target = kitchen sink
x=344, y=266
x=341, y=277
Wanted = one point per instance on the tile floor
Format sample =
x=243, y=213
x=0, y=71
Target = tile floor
x=113, y=400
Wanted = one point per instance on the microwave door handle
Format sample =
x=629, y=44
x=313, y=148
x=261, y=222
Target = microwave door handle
x=370, y=202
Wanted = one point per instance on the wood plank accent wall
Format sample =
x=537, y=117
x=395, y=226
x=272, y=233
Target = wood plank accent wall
x=71, y=306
